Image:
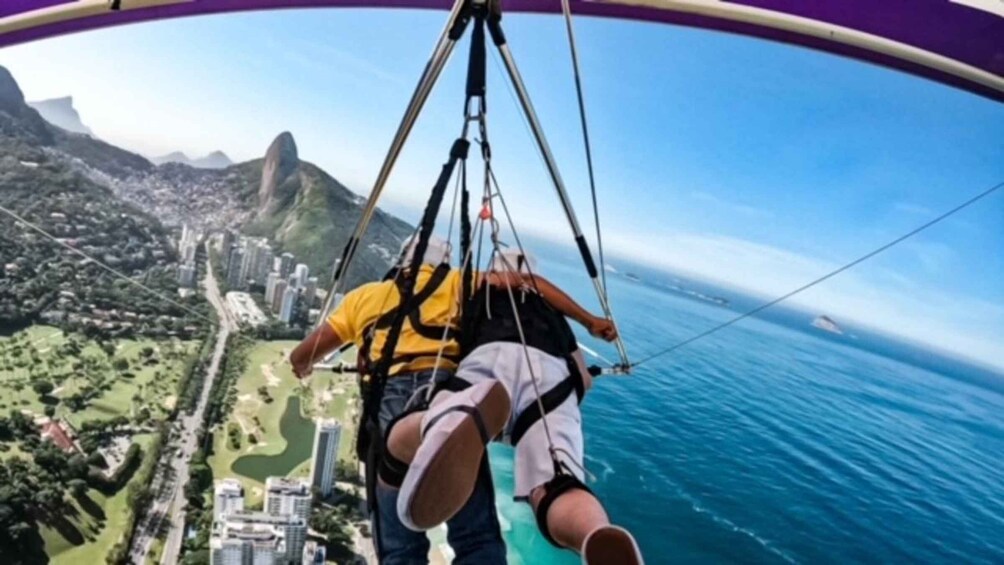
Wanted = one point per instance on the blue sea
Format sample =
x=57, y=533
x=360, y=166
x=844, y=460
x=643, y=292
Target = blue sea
x=774, y=443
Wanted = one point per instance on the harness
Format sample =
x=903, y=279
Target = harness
x=485, y=16
x=412, y=310
x=490, y=317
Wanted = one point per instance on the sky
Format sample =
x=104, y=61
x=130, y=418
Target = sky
x=751, y=164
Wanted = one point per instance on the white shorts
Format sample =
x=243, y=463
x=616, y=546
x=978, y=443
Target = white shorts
x=507, y=363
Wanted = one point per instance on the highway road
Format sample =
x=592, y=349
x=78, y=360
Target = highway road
x=167, y=510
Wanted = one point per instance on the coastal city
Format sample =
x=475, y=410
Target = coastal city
x=148, y=413
x=278, y=533
x=261, y=286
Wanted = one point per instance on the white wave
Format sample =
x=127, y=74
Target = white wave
x=696, y=506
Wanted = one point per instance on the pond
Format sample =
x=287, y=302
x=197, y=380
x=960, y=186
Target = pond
x=299, y=435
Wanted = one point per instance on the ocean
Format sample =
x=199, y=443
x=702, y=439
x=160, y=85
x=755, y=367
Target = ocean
x=776, y=443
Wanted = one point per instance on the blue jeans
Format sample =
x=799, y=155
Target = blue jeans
x=473, y=533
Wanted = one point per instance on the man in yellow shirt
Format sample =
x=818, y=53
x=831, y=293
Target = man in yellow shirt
x=364, y=317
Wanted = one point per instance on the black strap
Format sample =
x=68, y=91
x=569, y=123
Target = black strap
x=472, y=410
x=557, y=486
x=550, y=400
x=431, y=286
x=414, y=308
x=392, y=470
x=368, y=431
x=371, y=404
x=409, y=357
x=452, y=384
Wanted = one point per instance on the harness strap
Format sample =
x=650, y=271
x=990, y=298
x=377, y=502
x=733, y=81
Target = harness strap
x=452, y=384
x=559, y=485
x=474, y=413
x=550, y=401
x=413, y=310
x=431, y=286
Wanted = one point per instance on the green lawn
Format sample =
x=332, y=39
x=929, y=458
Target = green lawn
x=91, y=526
x=284, y=426
x=89, y=530
x=44, y=353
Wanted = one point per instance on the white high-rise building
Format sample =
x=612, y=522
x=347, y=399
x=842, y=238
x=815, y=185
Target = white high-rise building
x=226, y=241
x=188, y=251
x=288, y=304
x=286, y=263
x=322, y=468
x=256, y=537
x=228, y=497
x=301, y=273
x=277, y=295
x=252, y=249
x=270, y=283
x=234, y=280
x=263, y=263
x=310, y=291
x=186, y=275
x=253, y=538
x=287, y=496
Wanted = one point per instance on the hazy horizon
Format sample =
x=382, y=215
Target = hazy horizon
x=749, y=165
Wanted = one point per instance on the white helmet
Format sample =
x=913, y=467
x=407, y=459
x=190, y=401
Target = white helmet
x=512, y=259
x=437, y=252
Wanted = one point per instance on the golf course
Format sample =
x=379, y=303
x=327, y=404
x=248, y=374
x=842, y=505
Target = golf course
x=270, y=430
x=47, y=373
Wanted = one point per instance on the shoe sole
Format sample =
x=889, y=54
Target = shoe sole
x=611, y=546
x=448, y=480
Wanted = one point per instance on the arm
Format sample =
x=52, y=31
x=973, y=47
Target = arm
x=322, y=341
x=597, y=326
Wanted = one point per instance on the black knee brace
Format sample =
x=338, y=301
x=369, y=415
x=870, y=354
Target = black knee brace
x=391, y=470
x=560, y=484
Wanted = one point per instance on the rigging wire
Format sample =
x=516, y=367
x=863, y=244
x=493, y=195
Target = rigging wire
x=573, y=49
x=497, y=252
x=115, y=272
x=825, y=277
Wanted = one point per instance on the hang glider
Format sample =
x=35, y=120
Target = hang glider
x=956, y=42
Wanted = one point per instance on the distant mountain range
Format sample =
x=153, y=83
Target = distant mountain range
x=41, y=279
x=61, y=113
x=297, y=205
x=215, y=160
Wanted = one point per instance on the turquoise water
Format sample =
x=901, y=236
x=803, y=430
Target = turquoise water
x=767, y=444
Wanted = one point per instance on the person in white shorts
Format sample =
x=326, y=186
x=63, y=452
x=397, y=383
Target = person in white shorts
x=499, y=392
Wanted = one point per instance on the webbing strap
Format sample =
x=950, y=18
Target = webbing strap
x=550, y=401
x=379, y=378
x=413, y=308
x=431, y=286
x=472, y=411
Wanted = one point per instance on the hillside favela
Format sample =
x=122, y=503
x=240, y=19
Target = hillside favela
x=149, y=414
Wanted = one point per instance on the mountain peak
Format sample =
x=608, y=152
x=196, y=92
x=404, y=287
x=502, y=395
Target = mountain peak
x=61, y=113
x=16, y=118
x=214, y=160
x=283, y=146
x=11, y=97
x=281, y=160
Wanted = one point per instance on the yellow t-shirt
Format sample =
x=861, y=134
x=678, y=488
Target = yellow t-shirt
x=363, y=306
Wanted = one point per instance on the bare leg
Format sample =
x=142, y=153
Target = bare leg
x=577, y=521
x=572, y=516
x=443, y=448
x=405, y=436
